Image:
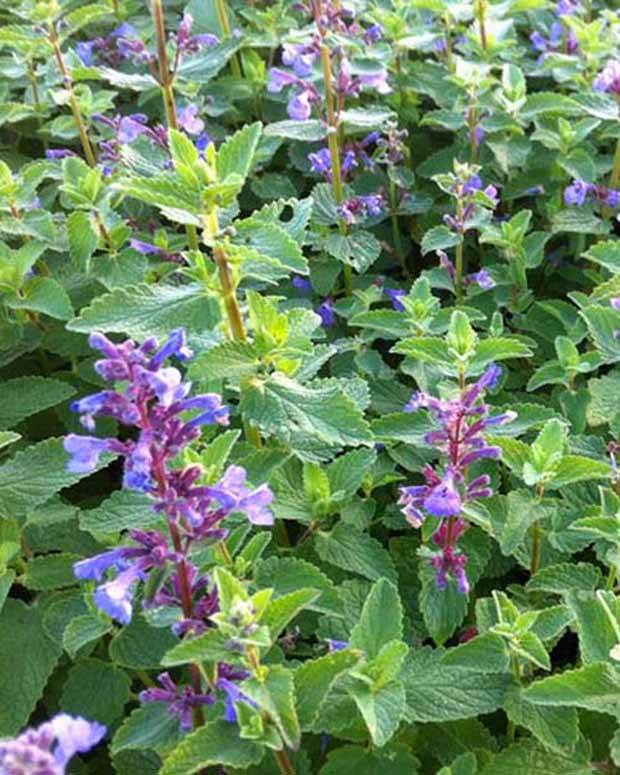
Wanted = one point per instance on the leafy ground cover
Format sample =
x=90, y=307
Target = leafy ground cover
x=309, y=406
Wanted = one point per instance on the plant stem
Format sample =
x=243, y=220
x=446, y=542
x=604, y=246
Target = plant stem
x=398, y=244
x=87, y=147
x=284, y=763
x=615, y=177
x=480, y=14
x=458, y=267
x=334, y=152
x=536, y=537
x=231, y=304
x=222, y=15
x=166, y=82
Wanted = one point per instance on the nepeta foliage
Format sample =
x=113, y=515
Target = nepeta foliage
x=309, y=348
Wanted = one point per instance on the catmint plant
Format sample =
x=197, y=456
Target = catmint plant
x=460, y=440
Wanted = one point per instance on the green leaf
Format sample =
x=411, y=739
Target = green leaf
x=228, y=360
x=347, y=548
x=32, y=476
x=24, y=396
x=557, y=728
x=578, y=221
x=574, y=468
x=211, y=645
x=306, y=131
x=360, y=249
x=27, y=658
x=427, y=349
x=486, y=653
x=148, y=310
x=528, y=758
x=271, y=240
x=593, y=687
x=602, y=324
x=565, y=577
x=50, y=571
x=45, y=295
x=381, y=619
x=83, y=630
x=275, y=694
x=124, y=509
x=605, y=254
x=443, y=609
x=150, y=726
x=8, y=437
x=95, y=690
x=83, y=238
x=235, y=156
x=347, y=473
x=287, y=574
x=281, y=611
x=438, y=692
x=217, y=742
x=140, y=646
x=498, y=349
x=439, y=238
x=596, y=631
x=382, y=709
x=283, y=406
x=395, y=759
x=314, y=680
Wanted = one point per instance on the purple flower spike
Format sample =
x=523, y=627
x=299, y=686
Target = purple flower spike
x=301, y=283
x=280, y=79
x=47, y=749
x=615, y=302
x=482, y=279
x=321, y=163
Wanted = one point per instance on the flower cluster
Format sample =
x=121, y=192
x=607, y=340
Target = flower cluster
x=182, y=700
x=608, y=80
x=359, y=207
x=461, y=442
x=47, y=749
x=466, y=191
x=133, y=49
x=558, y=40
x=155, y=401
x=580, y=193
x=481, y=278
x=105, y=50
x=354, y=154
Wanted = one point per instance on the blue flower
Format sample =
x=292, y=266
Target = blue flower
x=115, y=597
x=395, y=294
x=326, y=312
x=96, y=567
x=444, y=499
x=85, y=452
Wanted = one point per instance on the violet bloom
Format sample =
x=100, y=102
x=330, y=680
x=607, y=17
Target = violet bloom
x=321, y=163
x=615, y=302
x=302, y=284
x=359, y=207
x=608, y=80
x=181, y=701
x=59, y=153
x=450, y=561
x=326, y=312
x=304, y=94
x=148, y=249
x=47, y=749
x=459, y=438
x=131, y=563
x=189, y=121
x=482, y=279
x=191, y=44
x=558, y=41
x=373, y=34
x=579, y=193
x=300, y=58
x=395, y=294
x=567, y=7
x=233, y=495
